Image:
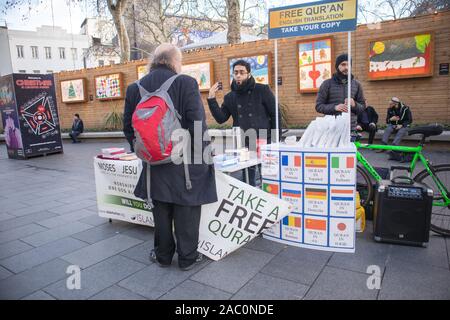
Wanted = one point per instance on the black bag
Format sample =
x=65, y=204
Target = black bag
x=400, y=156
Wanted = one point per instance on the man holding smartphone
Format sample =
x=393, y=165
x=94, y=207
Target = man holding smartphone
x=250, y=104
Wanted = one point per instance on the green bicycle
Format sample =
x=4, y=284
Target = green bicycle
x=437, y=177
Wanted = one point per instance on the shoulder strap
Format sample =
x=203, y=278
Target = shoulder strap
x=166, y=85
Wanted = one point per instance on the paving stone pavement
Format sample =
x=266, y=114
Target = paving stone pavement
x=48, y=221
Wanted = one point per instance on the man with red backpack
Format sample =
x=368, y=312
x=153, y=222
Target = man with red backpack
x=156, y=106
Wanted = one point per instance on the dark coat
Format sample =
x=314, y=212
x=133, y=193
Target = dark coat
x=372, y=116
x=251, y=107
x=78, y=126
x=403, y=112
x=333, y=92
x=168, y=180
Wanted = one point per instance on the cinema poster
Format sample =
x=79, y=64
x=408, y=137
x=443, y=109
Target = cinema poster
x=30, y=115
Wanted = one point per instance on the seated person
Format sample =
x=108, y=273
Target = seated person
x=77, y=128
x=398, y=120
x=367, y=121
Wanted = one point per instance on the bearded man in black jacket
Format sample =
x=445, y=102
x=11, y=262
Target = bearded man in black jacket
x=250, y=104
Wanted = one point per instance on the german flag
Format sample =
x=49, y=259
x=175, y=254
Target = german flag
x=315, y=162
x=314, y=224
x=313, y=193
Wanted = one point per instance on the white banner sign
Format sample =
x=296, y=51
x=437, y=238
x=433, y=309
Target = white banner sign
x=115, y=183
x=240, y=215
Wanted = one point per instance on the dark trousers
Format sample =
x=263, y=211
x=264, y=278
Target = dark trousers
x=370, y=129
x=74, y=135
x=186, y=220
x=253, y=175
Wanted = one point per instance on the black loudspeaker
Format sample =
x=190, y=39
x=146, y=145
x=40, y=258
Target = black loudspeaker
x=402, y=212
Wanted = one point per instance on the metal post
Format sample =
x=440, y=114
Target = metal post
x=276, y=91
x=349, y=79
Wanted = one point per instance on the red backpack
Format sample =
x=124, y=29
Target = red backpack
x=155, y=120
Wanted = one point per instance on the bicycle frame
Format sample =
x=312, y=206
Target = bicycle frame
x=417, y=156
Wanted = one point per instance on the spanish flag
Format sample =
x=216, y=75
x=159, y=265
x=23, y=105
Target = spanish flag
x=315, y=162
x=314, y=224
x=270, y=188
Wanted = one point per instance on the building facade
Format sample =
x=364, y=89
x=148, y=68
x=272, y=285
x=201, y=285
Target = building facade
x=46, y=50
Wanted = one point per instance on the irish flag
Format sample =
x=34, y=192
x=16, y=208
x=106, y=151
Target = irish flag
x=342, y=162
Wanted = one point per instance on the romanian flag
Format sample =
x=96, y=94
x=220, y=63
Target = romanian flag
x=315, y=224
x=295, y=161
x=315, y=162
x=270, y=188
x=342, y=195
x=292, y=221
x=313, y=193
x=342, y=163
x=291, y=193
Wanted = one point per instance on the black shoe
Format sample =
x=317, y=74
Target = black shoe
x=155, y=260
x=197, y=261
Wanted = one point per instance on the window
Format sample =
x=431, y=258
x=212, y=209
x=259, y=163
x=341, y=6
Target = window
x=22, y=71
x=111, y=62
x=74, y=53
x=101, y=63
x=62, y=53
x=48, y=52
x=20, y=52
x=34, y=52
x=36, y=71
x=49, y=71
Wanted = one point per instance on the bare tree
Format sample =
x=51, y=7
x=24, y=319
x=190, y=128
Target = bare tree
x=381, y=10
x=234, y=21
x=115, y=7
x=161, y=21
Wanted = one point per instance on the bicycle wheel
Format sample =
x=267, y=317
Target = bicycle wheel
x=364, y=186
x=440, y=217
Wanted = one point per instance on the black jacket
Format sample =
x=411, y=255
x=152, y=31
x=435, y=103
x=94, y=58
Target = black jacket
x=403, y=112
x=372, y=115
x=78, y=126
x=333, y=92
x=168, y=180
x=251, y=107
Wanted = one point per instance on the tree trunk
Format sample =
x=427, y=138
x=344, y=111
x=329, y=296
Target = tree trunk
x=234, y=21
x=117, y=11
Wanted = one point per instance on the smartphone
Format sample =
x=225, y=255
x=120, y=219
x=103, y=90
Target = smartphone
x=220, y=86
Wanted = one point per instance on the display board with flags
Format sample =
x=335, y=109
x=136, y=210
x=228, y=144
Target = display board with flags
x=321, y=186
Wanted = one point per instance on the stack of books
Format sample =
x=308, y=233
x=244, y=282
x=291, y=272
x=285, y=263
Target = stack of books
x=243, y=154
x=223, y=161
x=117, y=154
